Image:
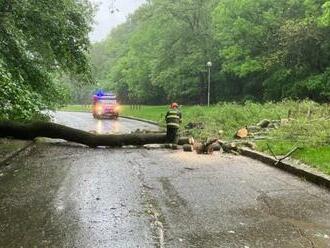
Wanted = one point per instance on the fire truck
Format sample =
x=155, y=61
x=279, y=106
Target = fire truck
x=105, y=105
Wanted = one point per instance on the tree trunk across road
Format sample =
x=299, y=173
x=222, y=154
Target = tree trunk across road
x=29, y=131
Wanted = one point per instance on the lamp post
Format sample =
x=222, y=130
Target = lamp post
x=209, y=65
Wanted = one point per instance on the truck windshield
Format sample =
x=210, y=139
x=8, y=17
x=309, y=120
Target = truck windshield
x=108, y=101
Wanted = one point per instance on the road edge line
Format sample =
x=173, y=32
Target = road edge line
x=312, y=176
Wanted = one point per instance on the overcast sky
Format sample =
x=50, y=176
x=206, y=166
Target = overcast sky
x=105, y=20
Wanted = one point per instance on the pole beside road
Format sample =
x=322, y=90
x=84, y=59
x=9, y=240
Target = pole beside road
x=209, y=65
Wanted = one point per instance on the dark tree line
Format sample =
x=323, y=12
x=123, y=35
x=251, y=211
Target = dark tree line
x=260, y=50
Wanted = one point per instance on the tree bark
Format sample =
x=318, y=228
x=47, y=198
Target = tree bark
x=29, y=131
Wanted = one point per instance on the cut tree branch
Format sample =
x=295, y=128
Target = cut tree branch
x=288, y=154
x=284, y=157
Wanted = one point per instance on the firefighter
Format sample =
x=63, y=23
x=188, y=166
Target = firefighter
x=173, y=119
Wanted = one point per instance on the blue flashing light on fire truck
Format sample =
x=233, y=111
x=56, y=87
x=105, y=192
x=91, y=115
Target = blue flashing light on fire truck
x=105, y=105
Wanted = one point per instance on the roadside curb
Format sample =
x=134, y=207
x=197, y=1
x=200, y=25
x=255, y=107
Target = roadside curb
x=139, y=119
x=298, y=170
x=13, y=154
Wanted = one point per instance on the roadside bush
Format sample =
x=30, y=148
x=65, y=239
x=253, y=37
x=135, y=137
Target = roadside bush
x=16, y=100
x=315, y=87
x=19, y=102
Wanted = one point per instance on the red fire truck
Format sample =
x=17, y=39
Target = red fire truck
x=105, y=105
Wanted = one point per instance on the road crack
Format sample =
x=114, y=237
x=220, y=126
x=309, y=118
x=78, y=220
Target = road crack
x=151, y=206
x=303, y=236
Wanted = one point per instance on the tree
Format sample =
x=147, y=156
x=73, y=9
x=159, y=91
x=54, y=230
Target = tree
x=39, y=39
x=160, y=53
x=325, y=18
x=261, y=50
x=273, y=45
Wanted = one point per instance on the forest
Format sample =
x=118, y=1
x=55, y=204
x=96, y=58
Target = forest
x=261, y=50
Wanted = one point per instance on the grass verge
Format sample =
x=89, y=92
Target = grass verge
x=77, y=108
x=317, y=157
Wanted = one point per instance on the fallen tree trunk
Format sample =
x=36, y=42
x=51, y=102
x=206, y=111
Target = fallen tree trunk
x=29, y=131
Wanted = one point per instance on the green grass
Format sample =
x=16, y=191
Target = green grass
x=317, y=157
x=309, y=127
x=153, y=113
x=77, y=108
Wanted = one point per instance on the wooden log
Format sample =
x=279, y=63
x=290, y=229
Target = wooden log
x=199, y=148
x=242, y=133
x=211, y=141
x=187, y=148
x=229, y=147
x=29, y=131
x=216, y=147
x=264, y=123
x=209, y=145
x=185, y=140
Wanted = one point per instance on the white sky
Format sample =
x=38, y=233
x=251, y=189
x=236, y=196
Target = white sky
x=105, y=20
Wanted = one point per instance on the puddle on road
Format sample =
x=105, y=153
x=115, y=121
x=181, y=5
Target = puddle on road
x=107, y=127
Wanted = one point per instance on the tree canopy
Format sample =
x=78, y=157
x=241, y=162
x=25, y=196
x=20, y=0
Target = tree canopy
x=39, y=40
x=260, y=49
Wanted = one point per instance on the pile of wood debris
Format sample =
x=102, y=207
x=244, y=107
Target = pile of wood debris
x=260, y=130
x=244, y=137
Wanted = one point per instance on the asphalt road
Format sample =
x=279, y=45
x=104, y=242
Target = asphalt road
x=61, y=195
x=85, y=121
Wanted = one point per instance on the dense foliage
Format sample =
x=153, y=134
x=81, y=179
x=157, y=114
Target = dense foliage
x=39, y=41
x=260, y=49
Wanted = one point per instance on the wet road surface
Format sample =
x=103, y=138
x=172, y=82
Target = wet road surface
x=60, y=195
x=85, y=121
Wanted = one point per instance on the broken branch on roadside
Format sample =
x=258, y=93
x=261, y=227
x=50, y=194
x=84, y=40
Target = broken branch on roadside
x=278, y=160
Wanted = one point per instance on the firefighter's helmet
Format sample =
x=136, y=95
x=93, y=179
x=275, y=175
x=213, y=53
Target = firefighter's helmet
x=174, y=105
